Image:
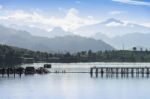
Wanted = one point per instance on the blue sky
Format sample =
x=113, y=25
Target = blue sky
x=95, y=8
x=84, y=11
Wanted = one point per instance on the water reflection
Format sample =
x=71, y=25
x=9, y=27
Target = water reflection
x=74, y=85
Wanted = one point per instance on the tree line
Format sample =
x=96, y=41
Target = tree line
x=14, y=55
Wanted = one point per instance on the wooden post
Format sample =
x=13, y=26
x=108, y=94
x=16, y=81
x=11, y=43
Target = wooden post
x=96, y=72
x=106, y=72
x=91, y=72
x=137, y=72
x=117, y=71
x=20, y=74
x=121, y=72
x=7, y=72
x=127, y=71
x=147, y=72
x=102, y=71
x=132, y=72
x=14, y=71
x=142, y=71
x=3, y=72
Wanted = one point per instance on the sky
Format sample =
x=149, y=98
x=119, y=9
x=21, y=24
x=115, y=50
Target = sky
x=72, y=14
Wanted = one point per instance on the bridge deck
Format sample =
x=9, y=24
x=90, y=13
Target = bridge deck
x=123, y=71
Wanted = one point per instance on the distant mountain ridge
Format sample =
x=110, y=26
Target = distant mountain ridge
x=128, y=40
x=125, y=34
x=69, y=43
x=56, y=31
x=113, y=27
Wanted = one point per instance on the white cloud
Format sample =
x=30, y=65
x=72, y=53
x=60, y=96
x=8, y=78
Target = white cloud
x=72, y=12
x=71, y=21
x=146, y=24
x=134, y=2
x=116, y=12
x=90, y=17
x=20, y=17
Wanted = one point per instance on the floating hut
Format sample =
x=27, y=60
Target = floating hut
x=29, y=70
x=47, y=66
x=42, y=70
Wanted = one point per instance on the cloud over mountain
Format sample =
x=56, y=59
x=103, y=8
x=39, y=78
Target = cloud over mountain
x=70, y=21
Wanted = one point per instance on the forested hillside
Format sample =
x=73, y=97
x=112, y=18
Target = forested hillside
x=12, y=55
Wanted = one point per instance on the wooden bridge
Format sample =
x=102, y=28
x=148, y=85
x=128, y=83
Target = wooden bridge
x=120, y=71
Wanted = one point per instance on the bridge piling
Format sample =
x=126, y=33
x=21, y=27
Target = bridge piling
x=122, y=71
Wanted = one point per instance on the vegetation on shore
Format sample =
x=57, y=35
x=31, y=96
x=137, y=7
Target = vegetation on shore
x=14, y=55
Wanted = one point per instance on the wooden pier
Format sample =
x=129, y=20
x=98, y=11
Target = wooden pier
x=120, y=71
x=94, y=71
x=20, y=70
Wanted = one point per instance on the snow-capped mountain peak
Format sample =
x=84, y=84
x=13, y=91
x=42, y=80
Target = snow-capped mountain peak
x=113, y=27
x=112, y=20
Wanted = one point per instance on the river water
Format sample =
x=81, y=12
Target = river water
x=75, y=85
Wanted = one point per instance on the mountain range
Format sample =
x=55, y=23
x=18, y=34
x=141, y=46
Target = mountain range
x=68, y=43
x=56, y=31
x=118, y=33
x=113, y=31
x=113, y=27
x=128, y=41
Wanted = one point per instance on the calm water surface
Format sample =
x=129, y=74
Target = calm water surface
x=75, y=86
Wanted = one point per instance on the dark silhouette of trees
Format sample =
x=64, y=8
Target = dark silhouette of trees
x=134, y=48
x=12, y=55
